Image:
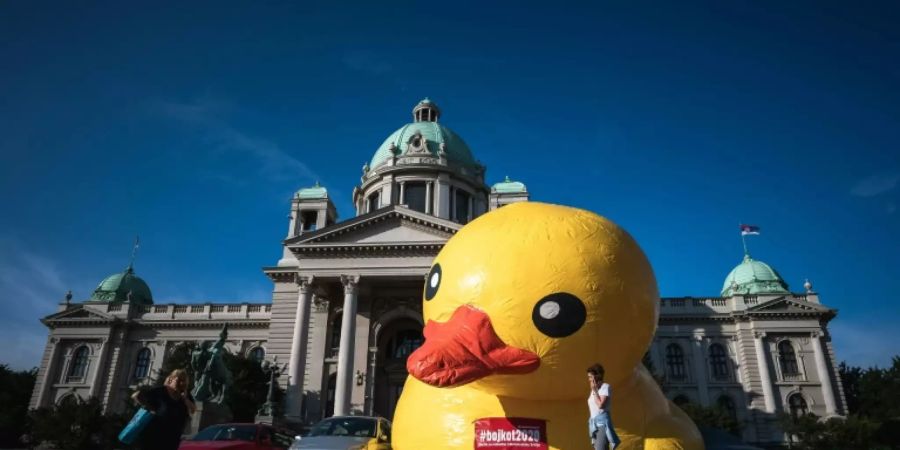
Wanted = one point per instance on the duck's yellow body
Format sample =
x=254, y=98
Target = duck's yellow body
x=517, y=305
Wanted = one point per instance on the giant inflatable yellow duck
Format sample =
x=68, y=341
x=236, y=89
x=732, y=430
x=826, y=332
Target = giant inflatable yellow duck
x=517, y=305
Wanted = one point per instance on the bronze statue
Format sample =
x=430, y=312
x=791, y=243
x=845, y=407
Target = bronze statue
x=213, y=378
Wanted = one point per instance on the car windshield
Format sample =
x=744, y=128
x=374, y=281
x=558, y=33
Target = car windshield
x=227, y=433
x=345, y=426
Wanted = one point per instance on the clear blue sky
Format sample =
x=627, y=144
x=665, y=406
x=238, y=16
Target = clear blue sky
x=191, y=124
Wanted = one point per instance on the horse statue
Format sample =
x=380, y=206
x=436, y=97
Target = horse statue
x=213, y=377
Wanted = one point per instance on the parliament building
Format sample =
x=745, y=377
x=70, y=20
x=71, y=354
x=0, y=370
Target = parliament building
x=346, y=307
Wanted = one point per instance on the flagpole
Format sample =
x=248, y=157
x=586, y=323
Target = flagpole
x=134, y=249
x=744, y=241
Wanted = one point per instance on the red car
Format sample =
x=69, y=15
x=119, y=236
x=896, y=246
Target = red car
x=239, y=436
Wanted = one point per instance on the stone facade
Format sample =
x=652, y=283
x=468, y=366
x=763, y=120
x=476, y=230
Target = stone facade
x=346, y=309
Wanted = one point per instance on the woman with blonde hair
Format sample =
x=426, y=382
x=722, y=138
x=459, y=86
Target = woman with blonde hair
x=171, y=404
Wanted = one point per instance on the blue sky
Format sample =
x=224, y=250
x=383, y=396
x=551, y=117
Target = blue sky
x=191, y=124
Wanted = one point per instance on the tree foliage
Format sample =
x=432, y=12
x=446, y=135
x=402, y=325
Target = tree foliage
x=15, y=395
x=714, y=417
x=873, y=403
x=810, y=433
x=249, y=388
x=76, y=424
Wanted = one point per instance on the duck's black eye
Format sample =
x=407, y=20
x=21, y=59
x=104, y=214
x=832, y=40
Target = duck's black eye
x=433, y=282
x=559, y=315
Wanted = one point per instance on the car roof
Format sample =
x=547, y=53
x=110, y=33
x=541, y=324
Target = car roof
x=355, y=417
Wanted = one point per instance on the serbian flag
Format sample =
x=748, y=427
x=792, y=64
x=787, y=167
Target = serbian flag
x=749, y=229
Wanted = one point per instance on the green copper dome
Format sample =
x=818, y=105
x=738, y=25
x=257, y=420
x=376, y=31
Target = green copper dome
x=753, y=277
x=123, y=287
x=312, y=192
x=426, y=114
x=508, y=186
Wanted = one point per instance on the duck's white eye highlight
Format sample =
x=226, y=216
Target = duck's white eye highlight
x=549, y=310
x=435, y=280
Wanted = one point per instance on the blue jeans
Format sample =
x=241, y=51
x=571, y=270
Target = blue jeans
x=601, y=429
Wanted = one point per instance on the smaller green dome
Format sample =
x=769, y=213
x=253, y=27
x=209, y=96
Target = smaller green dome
x=508, y=186
x=753, y=277
x=312, y=192
x=123, y=287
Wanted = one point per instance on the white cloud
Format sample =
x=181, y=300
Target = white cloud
x=31, y=287
x=876, y=184
x=274, y=162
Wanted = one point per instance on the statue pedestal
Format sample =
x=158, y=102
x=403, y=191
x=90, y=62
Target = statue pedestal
x=209, y=414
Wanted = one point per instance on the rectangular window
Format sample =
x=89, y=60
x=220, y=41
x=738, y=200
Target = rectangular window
x=415, y=196
x=309, y=220
x=461, y=206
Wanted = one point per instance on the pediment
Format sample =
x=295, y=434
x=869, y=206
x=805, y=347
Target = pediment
x=393, y=225
x=78, y=314
x=784, y=305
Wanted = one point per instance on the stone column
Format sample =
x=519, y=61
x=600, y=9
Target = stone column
x=442, y=197
x=824, y=374
x=429, y=200
x=345, y=354
x=98, y=368
x=292, y=226
x=402, y=200
x=700, y=369
x=763, y=368
x=46, y=381
x=471, y=212
x=297, y=362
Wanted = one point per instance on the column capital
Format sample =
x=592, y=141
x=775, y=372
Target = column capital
x=816, y=334
x=55, y=340
x=759, y=334
x=351, y=283
x=305, y=282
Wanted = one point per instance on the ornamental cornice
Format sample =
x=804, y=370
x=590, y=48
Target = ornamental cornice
x=330, y=233
x=368, y=250
x=475, y=178
x=694, y=318
x=202, y=323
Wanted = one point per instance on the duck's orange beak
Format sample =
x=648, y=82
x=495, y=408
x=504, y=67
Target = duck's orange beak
x=465, y=349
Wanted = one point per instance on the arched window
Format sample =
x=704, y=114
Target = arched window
x=258, y=354
x=68, y=400
x=374, y=201
x=142, y=364
x=675, y=362
x=725, y=403
x=681, y=400
x=788, y=359
x=798, y=405
x=718, y=362
x=404, y=343
x=79, y=363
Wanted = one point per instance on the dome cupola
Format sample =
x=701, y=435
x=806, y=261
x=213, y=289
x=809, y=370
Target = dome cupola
x=424, y=166
x=123, y=287
x=752, y=277
x=426, y=111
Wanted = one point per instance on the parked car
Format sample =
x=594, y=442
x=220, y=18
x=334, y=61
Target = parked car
x=347, y=433
x=239, y=436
